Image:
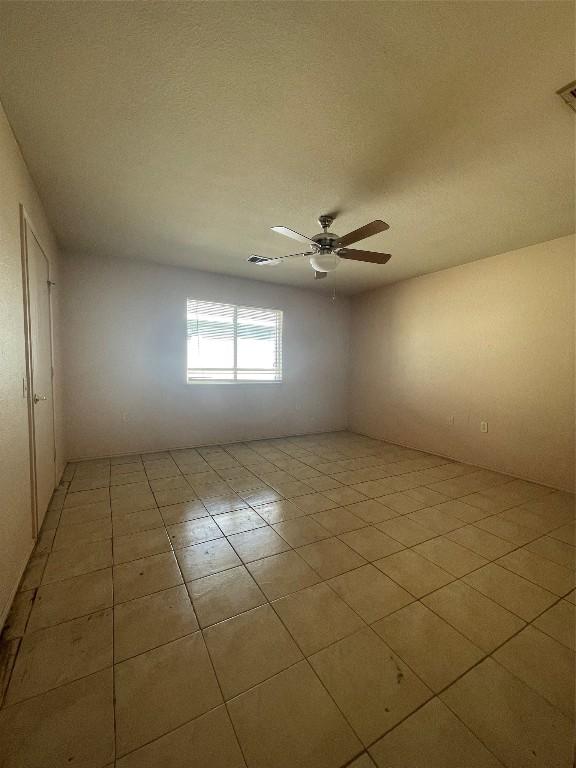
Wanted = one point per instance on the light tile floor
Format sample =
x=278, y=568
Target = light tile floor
x=319, y=601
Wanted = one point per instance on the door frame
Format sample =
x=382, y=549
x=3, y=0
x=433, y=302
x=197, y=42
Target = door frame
x=27, y=228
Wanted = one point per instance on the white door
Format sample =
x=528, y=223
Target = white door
x=40, y=378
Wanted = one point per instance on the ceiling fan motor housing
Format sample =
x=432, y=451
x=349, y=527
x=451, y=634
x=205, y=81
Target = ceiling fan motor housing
x=326, y=260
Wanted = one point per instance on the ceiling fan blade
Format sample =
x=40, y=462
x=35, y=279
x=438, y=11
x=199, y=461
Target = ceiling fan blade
x=360, y=234
x=370, y=256
x=294, y=235
x=320, y=275
x=260, y=260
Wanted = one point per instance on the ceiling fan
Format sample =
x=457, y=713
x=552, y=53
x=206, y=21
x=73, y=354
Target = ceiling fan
x=326, y=249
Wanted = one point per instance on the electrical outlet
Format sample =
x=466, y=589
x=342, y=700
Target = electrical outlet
x=483, y=426
x=124, y=417
x=451, y=420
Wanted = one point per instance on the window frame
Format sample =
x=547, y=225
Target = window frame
x=235, y=370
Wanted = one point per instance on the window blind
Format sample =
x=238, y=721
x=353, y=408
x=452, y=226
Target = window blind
x=232, y=343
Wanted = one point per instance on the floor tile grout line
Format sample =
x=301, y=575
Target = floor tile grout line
x=526, y=621
x=437, y=695
x=520, y=546
x=488, y=654
x=38, y=695
x=185, y=582
x=367, y=625
x=465, y=523
x=245, y=563
x=461, y=578
x=448, y=531
x=213, y=668
x=113, y=612
x=484, y=654
x=508, y=671
x=304, y=657
x=169, y=732
x=315, y=673
x=329, y=536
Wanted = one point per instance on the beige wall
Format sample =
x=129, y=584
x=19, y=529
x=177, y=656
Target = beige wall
x=488, y=341
x=125, y=357
x=15, y=515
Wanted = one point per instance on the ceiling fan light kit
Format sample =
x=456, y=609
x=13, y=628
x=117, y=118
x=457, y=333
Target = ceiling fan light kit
x=327, y=249
x=325, y=262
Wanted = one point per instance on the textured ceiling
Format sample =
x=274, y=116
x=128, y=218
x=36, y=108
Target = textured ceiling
x=180, y=132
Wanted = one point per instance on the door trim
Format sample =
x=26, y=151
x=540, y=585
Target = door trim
x=27, y=228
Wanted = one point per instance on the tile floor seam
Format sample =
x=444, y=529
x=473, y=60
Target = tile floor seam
x=114, y=724
x=212, y=666
x=65, y=621
x=523, y=682
x=510, y=570
x=367, y=746
x=55, y=687
x=494, y=650
x=437, y=695
x=456, y=715
x=332, y=642
x=306, y=658
x=539, y=535
x=437, y=589
x=494, y=600
x=270, y=602
x=167, y=733
x=511, y=672
x=455, y=578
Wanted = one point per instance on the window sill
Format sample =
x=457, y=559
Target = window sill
x=219, y=382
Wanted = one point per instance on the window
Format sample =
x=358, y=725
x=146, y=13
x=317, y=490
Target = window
x=230, y=343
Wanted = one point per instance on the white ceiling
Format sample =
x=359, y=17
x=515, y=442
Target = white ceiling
x=180, y=132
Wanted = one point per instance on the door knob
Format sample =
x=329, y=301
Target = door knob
x=37, y=398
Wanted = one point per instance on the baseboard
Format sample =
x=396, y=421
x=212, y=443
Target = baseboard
x=463, y=461
x=450, y=457
x=208, y=444
x=6, y=607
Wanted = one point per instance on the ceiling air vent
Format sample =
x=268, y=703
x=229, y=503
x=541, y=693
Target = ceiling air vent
x=568, y=94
